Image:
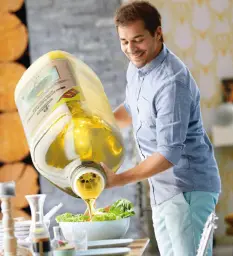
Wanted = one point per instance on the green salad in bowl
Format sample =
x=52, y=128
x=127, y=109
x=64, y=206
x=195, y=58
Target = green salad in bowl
x=122, y=208
x=111, y=222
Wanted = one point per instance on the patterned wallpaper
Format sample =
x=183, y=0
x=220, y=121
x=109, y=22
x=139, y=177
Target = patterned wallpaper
x=200, y=32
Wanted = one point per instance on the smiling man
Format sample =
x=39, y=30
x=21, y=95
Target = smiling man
x=163, y=105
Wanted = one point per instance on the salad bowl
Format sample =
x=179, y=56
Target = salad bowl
x=111, y=222
x=97, y=230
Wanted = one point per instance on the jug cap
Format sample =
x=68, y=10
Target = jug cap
x=87, y=167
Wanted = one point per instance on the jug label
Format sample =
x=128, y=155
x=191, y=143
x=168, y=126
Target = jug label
x=51, y=87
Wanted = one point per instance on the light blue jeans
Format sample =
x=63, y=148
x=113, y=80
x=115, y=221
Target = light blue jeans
x=179, y=222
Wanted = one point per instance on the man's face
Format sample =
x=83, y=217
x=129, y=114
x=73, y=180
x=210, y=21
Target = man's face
x=138, y=44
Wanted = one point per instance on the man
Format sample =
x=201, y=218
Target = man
x=163, y=105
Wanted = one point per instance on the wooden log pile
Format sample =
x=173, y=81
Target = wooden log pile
x=15, y=162
x=229, y=222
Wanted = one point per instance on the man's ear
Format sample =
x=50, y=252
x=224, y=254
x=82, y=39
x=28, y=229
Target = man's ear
x=158, y=33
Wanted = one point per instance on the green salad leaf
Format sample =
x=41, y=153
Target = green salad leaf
x=69, y=217
x=105, y=216
x=122, y=208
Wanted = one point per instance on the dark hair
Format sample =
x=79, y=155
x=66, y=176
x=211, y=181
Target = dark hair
x=139, y=10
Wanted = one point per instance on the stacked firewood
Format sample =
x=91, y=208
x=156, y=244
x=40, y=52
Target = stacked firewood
x=13, y=145
x=229, y=221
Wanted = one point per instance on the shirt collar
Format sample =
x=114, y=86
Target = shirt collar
x=154, y=63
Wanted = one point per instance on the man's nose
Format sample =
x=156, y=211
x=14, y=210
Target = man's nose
x=131, y=47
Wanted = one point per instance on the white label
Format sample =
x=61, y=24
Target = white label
x=52, y=86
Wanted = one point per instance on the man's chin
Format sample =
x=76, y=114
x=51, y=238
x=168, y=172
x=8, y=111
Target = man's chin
x=138, y=64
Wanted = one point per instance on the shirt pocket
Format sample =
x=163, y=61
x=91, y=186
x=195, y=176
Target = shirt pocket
x=145, y=111
x=147, y=132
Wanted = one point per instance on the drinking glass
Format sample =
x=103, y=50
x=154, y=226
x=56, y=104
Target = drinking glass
x=79, y=239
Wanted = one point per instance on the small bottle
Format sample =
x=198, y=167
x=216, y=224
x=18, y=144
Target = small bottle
x=58, y=240
x=60, y=246
x=39, y=234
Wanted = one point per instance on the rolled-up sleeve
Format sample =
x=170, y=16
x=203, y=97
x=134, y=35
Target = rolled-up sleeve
x=172, y=106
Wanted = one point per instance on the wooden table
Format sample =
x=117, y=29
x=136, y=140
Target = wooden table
x=138, y=246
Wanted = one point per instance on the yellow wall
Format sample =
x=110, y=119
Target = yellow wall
x=200, y=32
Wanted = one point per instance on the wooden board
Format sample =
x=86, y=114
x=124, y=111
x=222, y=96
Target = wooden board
x=138, y=246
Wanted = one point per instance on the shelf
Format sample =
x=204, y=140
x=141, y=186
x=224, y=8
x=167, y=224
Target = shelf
x=222, y=135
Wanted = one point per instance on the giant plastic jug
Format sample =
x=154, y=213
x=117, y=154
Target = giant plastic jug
x=69, y=124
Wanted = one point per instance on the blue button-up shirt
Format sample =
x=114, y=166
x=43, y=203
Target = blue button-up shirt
x=164, y=103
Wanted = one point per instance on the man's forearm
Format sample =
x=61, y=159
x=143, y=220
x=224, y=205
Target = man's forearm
x=154, y=164
x=122, y=117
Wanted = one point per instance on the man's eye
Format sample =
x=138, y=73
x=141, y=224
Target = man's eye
x=124, y=43
x=139, y=40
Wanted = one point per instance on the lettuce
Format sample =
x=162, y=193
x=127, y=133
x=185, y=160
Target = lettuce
x=122, y=208
x=104, y=217
x=69, y=217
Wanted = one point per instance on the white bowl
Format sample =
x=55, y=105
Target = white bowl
x=97, y=230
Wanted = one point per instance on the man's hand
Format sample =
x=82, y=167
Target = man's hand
x=112, y=178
